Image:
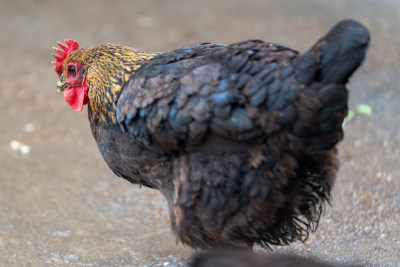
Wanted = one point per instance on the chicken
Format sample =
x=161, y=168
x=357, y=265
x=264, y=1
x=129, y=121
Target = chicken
x=240, y=139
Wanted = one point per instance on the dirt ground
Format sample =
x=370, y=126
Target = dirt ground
x=60, y=205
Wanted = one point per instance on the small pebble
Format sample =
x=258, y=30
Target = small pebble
x=29, y=127
x=62, y=233
x=25, y=149
x=16, y=145
x=20, y=147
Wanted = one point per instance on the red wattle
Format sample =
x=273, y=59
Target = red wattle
x=76, y=97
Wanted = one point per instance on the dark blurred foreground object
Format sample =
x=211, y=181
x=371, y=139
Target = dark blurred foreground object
x=240, y=139
x=248, y=259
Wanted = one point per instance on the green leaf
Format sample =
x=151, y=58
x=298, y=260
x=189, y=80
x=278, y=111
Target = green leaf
x=349, y=116
x=364, y=109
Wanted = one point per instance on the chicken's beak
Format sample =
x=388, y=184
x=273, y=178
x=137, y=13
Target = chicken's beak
x=61, y=86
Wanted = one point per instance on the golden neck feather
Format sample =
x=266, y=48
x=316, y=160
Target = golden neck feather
x=109, y=69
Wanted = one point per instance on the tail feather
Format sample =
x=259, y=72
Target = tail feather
x=335, y=57
x=325, y=69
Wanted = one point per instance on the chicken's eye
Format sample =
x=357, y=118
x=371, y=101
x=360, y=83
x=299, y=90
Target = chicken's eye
x=72, y=70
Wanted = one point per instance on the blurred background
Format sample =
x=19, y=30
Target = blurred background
x=60, y=205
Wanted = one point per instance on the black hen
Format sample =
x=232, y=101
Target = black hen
x=240, y=139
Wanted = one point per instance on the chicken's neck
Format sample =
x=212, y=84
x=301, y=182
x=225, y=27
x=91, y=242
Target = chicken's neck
x=109, y=69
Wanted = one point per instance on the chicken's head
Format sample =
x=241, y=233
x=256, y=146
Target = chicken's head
x=72, y=76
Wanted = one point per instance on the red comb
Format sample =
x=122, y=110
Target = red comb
x=65, y=50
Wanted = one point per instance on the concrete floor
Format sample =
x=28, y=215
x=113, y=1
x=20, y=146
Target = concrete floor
x=60, y=205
